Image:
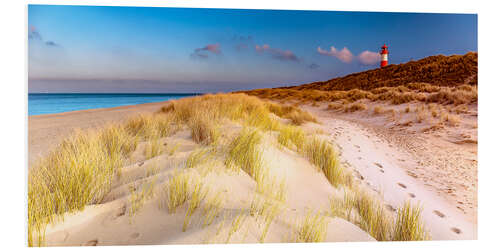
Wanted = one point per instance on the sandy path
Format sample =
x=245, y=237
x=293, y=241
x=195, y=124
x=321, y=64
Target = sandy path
x=46, y=131
x=380, y=163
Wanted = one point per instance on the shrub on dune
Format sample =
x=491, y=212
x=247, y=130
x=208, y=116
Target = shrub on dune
x=355, y=107
x=203, y=129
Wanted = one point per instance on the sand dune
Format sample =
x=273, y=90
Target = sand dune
x=224, y=204
x=112, y=223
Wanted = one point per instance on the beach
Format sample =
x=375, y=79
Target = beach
x=46, y=131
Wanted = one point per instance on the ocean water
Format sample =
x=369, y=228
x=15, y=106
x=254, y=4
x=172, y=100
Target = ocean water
x=39, y=104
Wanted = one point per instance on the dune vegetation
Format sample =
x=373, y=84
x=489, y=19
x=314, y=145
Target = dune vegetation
x=82, y=169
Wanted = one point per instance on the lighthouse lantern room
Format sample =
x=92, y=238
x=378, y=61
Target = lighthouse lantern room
x=384, y=53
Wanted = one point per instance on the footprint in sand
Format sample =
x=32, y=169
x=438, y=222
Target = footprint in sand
x=91, y=243
x=438, y=213
x=390, y=208
x=379, y=165
x=412, y=195
x=382, y=171
x=456, y=230
x=121, y=211
x=140, y=164
x=135, y=235
x=402, y=185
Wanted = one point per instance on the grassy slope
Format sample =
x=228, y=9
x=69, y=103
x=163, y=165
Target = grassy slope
x=55, y=186
x=449, y=71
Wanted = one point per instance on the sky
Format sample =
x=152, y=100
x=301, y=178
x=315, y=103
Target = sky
x=91, y=49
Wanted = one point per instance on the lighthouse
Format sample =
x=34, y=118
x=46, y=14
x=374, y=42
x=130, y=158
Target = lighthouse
x=384, y=54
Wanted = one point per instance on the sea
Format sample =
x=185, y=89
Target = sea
x=39, y=104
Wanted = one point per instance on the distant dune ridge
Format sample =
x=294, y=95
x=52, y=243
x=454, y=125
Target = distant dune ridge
x=437, y=70
x=435, y=79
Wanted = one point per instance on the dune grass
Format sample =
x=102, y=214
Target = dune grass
x=175, y=192
x=377, y=110
x=313, y=228
x=77, y=173
x=235, y=107
x=244, y=152
x=323, y=155
x=212, y=208
x=153, y=148
x=197, y=157
x=296, y=115
x=366, y=212
x=335, y=106
x=203, y=130
x=196, y=196
x=152, y=125
x=138, y=197
x=266, y=210
x=355, y=107
x=236, y=224
x=408, y=226
x=369, y=214
x=291, y=137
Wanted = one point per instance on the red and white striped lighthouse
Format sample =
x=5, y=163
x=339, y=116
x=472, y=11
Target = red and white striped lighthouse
x=384, y=53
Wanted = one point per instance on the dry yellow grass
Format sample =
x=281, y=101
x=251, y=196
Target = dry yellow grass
x=355, y=107
x=291, y=137
x=296, y=115
x=203, y=130
x=212, y=208
x=335, y=106
x=408, y=225
x=197, y=157
x=313, y=228
x=323, y=155
x=77, y=173
x=421, y=115
x=236, y=224
x=244, y=152
x=175, y=192
x=153, y=148
x=362, y=209
x=139, y=196
x=152, y=125
x=196, y=196
x=378, y=110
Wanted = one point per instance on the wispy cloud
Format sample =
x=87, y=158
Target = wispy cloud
x=201, y=52
x=279, y=54
x=243, y=42
x=369, y=58
x=34, y=34
x=51, y=43
x=343, y=55
x=313, y=66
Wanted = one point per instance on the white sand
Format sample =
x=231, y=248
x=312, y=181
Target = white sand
x=111, y=224
x=411, y=173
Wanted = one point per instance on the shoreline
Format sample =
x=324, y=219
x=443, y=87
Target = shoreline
x=48, y=130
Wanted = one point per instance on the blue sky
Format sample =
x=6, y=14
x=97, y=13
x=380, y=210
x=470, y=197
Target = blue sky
x=140, y=49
